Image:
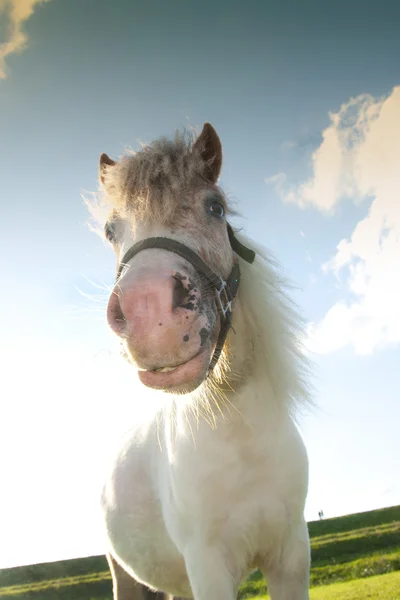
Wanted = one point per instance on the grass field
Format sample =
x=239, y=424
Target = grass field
x=353, y=557
x=385, y=587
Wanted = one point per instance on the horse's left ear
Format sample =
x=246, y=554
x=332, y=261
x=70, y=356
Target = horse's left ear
x=209, y=146
x=104, y=162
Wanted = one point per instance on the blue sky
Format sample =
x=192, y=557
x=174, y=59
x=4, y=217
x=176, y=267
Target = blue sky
x=307, y=167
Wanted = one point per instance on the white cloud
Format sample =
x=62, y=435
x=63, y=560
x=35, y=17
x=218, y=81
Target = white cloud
x=359, y=158
x=18, y=12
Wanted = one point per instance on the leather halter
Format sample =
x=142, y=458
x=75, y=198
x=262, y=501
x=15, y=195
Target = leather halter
x=225, y=290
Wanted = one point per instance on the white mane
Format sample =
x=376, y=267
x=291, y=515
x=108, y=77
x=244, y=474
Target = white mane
x=276, y=326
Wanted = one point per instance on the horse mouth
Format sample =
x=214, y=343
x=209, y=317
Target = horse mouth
x=186, y=376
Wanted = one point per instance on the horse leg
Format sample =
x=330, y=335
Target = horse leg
x=209, y=575
x=289, y=578
x=126, y=587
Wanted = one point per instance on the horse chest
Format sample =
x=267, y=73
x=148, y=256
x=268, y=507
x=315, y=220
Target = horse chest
x=196, y=478
x=214, y=485
x=213, y=481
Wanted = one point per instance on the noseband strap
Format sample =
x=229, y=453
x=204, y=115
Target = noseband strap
x=225, y=290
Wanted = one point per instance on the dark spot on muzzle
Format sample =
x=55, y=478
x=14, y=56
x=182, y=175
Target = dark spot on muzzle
x=185, y=338
x=190, y=306
x=180, y=296
x=179, y=276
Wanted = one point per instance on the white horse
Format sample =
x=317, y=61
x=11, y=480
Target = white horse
x=215, y=484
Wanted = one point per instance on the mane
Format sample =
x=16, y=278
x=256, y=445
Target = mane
x=149, y=181
x=277, y=332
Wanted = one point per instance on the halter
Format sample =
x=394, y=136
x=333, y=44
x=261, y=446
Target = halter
x=225, y=290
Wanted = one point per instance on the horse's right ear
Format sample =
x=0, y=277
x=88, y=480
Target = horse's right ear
x=209, y=146
x=104, y=163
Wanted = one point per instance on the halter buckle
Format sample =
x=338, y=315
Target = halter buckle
x=223, y=298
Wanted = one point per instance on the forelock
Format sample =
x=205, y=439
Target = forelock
x=150, y=180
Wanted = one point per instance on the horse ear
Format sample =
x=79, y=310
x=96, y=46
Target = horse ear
x=209, y=146
x=105, y=161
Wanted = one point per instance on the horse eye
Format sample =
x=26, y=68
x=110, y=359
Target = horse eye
x=109, y=232
x=215, y=208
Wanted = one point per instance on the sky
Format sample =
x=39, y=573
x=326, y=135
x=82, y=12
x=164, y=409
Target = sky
x=306, y=100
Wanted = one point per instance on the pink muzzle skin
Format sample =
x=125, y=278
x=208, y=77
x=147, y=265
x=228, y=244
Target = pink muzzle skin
x=164, y=324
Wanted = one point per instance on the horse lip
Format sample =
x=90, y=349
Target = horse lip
x=168, y=379
x=169, y=368
x=166, y=369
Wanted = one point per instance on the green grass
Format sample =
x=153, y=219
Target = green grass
x=353, y=557
x=40, y=586
x=379, y=587
x=77, y=579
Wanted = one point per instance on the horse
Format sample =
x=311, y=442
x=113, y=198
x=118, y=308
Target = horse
x=213, y=484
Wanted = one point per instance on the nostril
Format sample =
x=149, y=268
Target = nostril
x=179, y=295
x=119, y=315
x=115, y=316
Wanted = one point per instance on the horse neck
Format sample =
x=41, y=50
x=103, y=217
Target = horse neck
x=253, y=392
x=246, y=395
